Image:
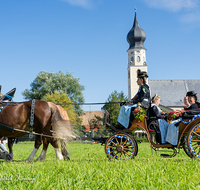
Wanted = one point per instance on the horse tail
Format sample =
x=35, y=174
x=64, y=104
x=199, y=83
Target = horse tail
x=61, y=127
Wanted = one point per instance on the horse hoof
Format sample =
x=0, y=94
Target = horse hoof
x=67, y=158
x=28, y=160
x=40, y=159
x=9, y=157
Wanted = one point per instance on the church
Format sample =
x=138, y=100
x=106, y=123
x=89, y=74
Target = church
x=171, y=92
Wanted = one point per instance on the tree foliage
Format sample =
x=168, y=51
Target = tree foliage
x=57, y=98
x=50, y=82
x=95, y=122
x=114, y=109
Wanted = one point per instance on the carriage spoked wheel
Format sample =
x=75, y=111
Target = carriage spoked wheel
x=193, y=140
x=121, y=146
x=185, y=147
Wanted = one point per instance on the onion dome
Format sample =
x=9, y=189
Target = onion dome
x=136, y=35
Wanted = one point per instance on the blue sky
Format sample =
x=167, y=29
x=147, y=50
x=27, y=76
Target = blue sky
x=88, y=39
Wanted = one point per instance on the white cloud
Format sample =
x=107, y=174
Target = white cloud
x=189, y=10
x=88, y=4
x=173, y=5
x=192, y=17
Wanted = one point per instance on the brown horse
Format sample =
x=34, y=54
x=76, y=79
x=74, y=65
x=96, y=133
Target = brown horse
x=46, y=118
x=46, y=140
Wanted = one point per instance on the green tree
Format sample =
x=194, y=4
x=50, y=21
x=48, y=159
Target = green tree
x=114, y=109
x=57, y=98
x=97, y=122
x=50, y=82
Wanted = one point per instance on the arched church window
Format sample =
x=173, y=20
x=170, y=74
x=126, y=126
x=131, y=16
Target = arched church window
x=132, y=59
x=138, y=58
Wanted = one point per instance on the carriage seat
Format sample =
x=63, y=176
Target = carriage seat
x=190, y=114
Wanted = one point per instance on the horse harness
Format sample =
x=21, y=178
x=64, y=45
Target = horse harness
x=32, y=119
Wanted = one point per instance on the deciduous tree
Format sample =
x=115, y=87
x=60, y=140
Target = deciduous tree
x=114, y=109
x=62, y=99
x=50, y=82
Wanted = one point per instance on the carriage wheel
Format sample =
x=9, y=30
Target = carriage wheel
x=193, y=140
x=185, y=147
x=121, y=146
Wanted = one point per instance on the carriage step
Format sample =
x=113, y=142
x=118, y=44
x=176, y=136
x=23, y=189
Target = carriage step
x=166, y=155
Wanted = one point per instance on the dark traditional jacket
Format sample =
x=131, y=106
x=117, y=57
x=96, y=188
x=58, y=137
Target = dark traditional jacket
x=193, y=106
x=154, y=113
x=143, y=96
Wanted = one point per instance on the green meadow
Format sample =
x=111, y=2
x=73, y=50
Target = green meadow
x=89, y=168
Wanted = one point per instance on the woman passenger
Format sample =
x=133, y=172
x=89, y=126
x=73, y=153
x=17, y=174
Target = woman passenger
x=166, y=132
x=190, y=100
x=154, y=115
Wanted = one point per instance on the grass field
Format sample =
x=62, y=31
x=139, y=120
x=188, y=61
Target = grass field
x=89, y=168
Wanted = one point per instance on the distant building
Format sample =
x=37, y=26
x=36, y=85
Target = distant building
x=86, y=118
x=172, y=92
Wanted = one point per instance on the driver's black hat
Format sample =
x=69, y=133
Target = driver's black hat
x=191, y=93
x=141, y=74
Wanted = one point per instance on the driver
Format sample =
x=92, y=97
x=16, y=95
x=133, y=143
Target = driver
x=142, y=96
x=1, y=95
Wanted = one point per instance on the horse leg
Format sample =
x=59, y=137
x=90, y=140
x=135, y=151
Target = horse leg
x=10, y=144
x=38, y=142
x=64, y=150
x=44, y=150
x=54, y=143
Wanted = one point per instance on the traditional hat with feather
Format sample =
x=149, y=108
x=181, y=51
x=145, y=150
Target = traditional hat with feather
x=141, y=74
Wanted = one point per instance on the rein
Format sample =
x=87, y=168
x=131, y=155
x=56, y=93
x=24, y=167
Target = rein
x=34, y=133
x=192, y=110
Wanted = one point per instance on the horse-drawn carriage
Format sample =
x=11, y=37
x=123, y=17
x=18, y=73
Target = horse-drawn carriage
x=122, y=145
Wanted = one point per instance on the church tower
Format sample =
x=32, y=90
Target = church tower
x=136, y=56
